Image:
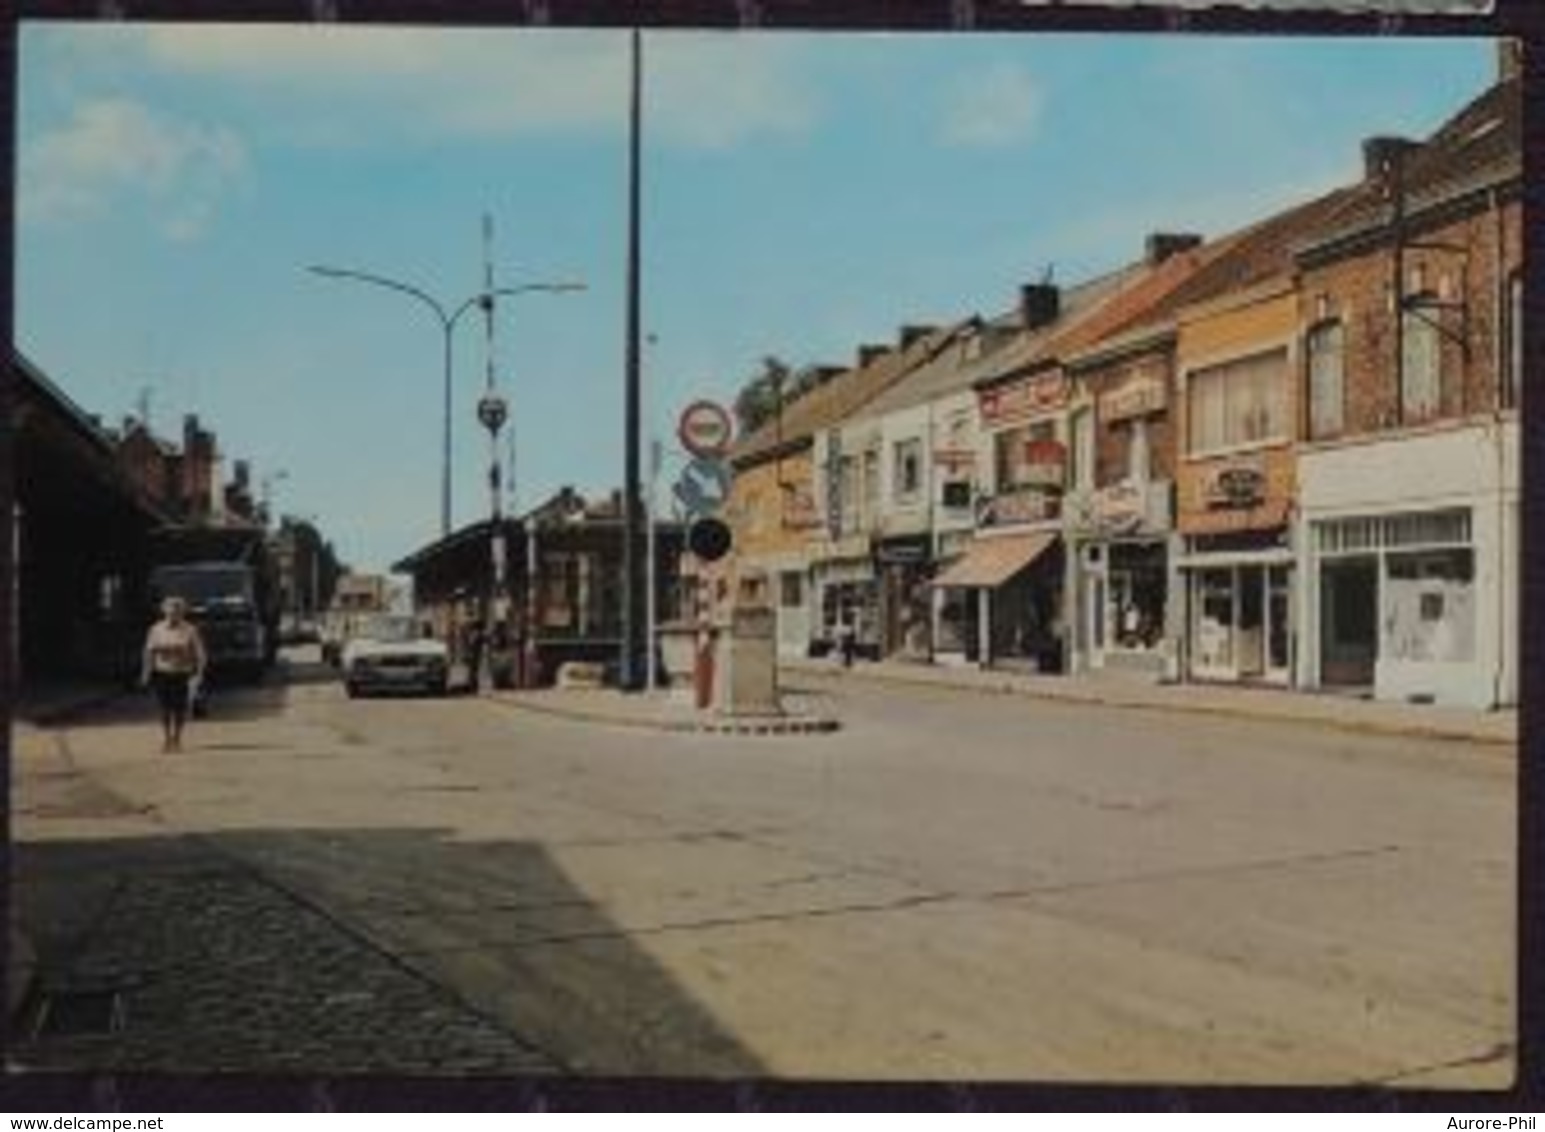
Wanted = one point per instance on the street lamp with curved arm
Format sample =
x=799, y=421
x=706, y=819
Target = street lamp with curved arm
x=447, y=320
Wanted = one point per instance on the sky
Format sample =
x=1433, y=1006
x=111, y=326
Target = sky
x=802, y=194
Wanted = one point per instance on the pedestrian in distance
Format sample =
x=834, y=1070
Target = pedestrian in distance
x=173, y=664
x=847, y=641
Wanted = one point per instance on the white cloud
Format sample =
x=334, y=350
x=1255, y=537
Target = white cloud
x=115, y=147
x=702, y=89
x=992, y=108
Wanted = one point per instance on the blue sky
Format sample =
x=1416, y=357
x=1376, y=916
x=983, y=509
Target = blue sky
x=803, y=194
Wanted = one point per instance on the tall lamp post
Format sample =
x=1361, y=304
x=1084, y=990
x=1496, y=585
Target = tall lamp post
x=447, y=317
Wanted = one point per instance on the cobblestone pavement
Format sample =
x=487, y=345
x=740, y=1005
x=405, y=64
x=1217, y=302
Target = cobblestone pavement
x=160, y=952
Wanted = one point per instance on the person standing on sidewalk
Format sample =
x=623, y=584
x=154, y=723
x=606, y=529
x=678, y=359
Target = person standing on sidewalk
x=173, y=664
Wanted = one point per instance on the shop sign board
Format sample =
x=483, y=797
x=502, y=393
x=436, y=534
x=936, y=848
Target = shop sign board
x=1120, y=507
x=1040, y=393
x=1044, y=464
x=904, y=551
x=1235, y=484
x=834, y=483
x=1137, y=397
x=1032, y=506
x=799, y=510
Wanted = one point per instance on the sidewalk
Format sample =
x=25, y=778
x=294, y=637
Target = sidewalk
x=33, y=752
x=47, y=704
x=804, y=712
x=1285, y=706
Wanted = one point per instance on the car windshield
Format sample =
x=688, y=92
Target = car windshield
x=204, y=585
x=390, y=629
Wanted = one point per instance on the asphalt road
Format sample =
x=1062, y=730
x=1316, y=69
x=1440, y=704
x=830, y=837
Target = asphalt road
x=954, y=886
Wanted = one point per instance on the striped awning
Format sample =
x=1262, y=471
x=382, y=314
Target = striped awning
x=989, y=562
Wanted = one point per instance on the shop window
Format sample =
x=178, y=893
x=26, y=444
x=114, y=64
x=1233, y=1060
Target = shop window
x=1009, y=448
x=1429, y=605
x=1421, y=350
x=1138, y=586
x=559, y=580
x=907, y=469
x=1214, y=633
x=1238, y=403
x=847, y=493
x=1327, y=397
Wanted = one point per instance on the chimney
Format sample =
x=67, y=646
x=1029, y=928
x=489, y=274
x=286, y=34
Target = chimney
x=868, y=353
x=241, y=474
x=1510, y=59
x=1161, y=245
x=912, y=331
x=1039, y=304
x=1379, y=151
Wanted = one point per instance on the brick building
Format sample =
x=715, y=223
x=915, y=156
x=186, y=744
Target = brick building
x=1409, y=470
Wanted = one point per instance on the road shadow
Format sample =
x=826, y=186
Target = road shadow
x=341, y=952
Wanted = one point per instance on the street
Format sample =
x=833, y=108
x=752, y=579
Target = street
x=953, y=886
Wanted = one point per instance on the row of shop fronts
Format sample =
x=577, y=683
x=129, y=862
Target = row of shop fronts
x=1391, y=597
x=1287, y=456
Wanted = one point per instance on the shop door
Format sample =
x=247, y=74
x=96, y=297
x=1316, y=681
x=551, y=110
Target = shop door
x=1212, y=628
x=1349, y=625
x=1279, y=625
x=1250, y=632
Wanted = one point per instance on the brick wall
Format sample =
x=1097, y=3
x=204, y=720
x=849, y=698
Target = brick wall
x=766, y=518
x=1113, y=438
x=1356, y=290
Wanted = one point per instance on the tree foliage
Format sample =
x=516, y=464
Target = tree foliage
x=759, y=398
x=775, y=383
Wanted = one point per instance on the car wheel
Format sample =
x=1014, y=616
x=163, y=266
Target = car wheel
x=351, y=691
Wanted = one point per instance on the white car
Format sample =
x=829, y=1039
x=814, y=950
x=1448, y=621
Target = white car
x=390, y=652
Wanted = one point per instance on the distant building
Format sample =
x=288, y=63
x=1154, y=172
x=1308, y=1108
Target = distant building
x=563, y=582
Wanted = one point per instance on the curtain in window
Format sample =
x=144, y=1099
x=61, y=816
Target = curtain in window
x=1420, y=348
x=1239, y=402
x=1326, y=370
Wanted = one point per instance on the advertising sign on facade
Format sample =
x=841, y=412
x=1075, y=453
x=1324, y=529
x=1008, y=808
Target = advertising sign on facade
x=1135, y=398
x=1119, y=508
x=1236, y=484
x=834, y=483
x=1042, y=393
x=1044, y=464
x=799, y=509
x=1032, y=506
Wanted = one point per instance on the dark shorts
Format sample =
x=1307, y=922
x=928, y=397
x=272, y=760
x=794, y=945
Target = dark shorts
x=171, y=690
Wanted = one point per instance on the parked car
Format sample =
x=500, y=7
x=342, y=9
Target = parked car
x=391, y=652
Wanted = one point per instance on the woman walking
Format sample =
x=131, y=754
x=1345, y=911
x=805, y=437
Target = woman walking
x=174, y=664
